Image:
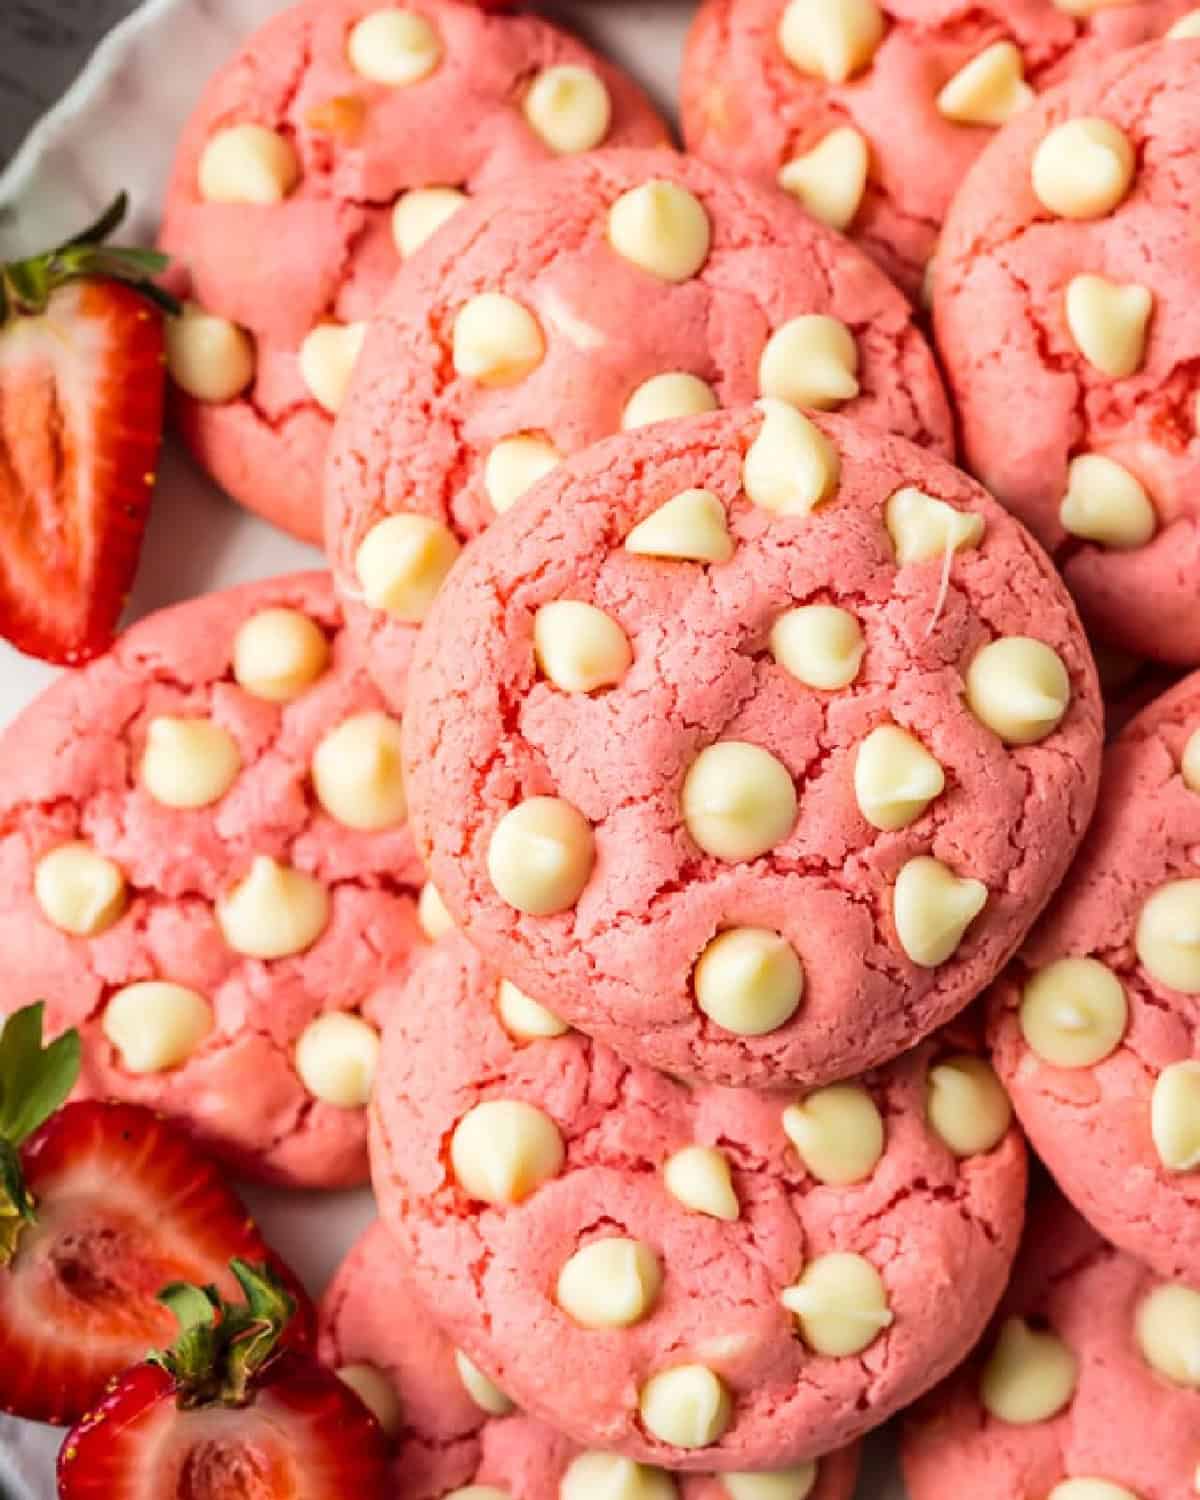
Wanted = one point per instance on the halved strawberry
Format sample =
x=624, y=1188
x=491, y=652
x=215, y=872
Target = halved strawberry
x=82, y=381
x=227, y=1412
x=102, y=1205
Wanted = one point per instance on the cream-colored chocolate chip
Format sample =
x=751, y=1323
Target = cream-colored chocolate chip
x=967, y=1106
x=810, y=361
x=663, y=398
x=821, y=645
x=419, y=214
x=523, y=1017
x=662, y=228
x=933, y=908
x=395, y=47
x=540, y=856
x=606, y=1476
x=503, y=1150
x=687, y=1406
x=1175, y=1116
x=514, y=466
x=611, y=1283
x=1086, y=7
x=1187, y=26
x=831, y=39
x=156, y=1026
x=749, y=980
x=327, y=359
x=273, y=911
x=402, y=562
x=1083, y=168
x=1108, y=323
x=484, y=1391
x=478, y=1492
x=988, y=90
x=1168, y=1333
x=795, y=1483
x=569, y=108
x=377, y=1394
x=278, y=654
x=791, y=466
x=208, y=358
x=1090, y=1489
x=1074, y=1012
x=1018, y=688
x=831, y=179
x=248, y=164
x=838, y=1133
x=578, y=647
x=700, y=1179
x=78, y=890
x=1189, y=764
x=497, y=341
x=840, y=1304
x=336, y=1057
x=738, y=800
x=691, y=526
x=1105, y=503
x=357, y=773
x=188, y=763
x=922, y=527
x=895, y=777
x=435, y=920
x=1029, y=1376
x=1167, y=937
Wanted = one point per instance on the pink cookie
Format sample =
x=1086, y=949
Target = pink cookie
x=204, y=867
x=374, y=1328
x=639, y=286
x=872, y=114
x=1073, y=343
x=1080, y=1392
x=698, y=762
x=1095, y=1026
x=292, y=229
x=706, y=1278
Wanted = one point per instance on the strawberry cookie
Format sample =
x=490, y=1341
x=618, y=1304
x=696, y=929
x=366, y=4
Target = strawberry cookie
x=455, y=1431
x=338, y=140
x=757, y=742
x=1095, y=1026
x=706, y=1278
x=1068, y=313
x=1087, y=1389
x=872, y=113
x=610, y=293
x=204, y=866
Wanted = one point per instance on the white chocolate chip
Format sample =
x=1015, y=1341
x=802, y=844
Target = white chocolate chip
x=394, y=47
x=895, y=778
x=336, y=1057
x=273, y=912
x=700, y=1179
x=377, y=1394
x=540, y=856
x=821, y=645
x=578, y=647
x=791, y=466
x=1086, y=7
x=1167, y=937
x=606, y=1476
x=687, y=1406
x=155, y=1026
x=402, y=562
x=503, y=1150
x=478, y=1492
x=749, y=981
x=248, y=164
x=357, y=773
x=662, y=398
x=208, y=358
x=1029, y=1376
x=435, y=920
x=831, y=179
x=484, y=1391
x=1083, y=168
x=1105, y=503
x=989, y=90
x=830, y=39
x=611, y=1283
x=523, y=1017
x=327, y=359
x=1187, y=26
x=1175, y=1116
x=838, y=1133
x=1074, y=1012
x=1018, y=688
x=78, y=890
x=278, y=654
x=188, y=763
x=514, y=466
x=795, y=1483
x=497, y=340
x=738, y=801
x=922, y=527
x=1089, y=1489
x=840, y=1304
x=810, y=361
x=1189, y=765
x=569, y=108
x=967, y=1106
x=662, y=228
x=1168, y=1333
x=1109, y=323
x=690, y=526
x=419, y=214
x=933, y=908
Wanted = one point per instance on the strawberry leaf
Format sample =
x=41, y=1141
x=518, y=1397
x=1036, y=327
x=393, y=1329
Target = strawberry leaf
x=34, y=1080
x=16, y=1206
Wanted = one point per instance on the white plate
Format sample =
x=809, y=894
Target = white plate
x=116, y=128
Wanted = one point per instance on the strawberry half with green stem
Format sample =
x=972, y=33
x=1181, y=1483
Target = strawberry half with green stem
x=227, y=1411
x=100, y=1206
x=82, y=379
